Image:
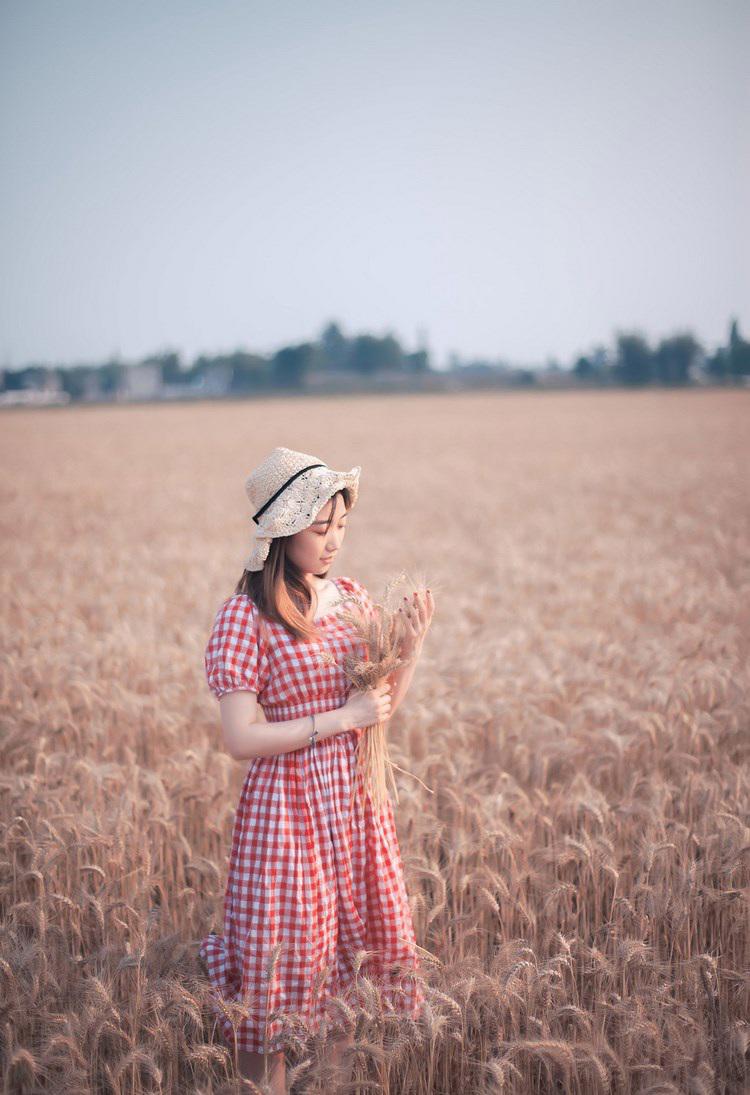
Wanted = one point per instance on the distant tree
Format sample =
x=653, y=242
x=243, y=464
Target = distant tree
x=717, y=365
x=334, y=348
x=601, y=361
x=739, y=353
x=418, y=362
x=32, y=376
x=591, y=367
x=369, y=354
x=199, y=367
x=15, y=380
x=365, y=355
x=74, y=381
x=290, y=365
x=392, y=353
x=112, y=374
x=249, y=371
x=634, y=363
x=583, y=368
x=674, y=357
x=171, y=368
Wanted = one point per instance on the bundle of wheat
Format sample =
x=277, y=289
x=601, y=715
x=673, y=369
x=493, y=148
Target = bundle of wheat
x=380, y=629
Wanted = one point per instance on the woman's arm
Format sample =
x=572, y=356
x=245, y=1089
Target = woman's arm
x=401, y=679
x=246, y=736
x=414, y=618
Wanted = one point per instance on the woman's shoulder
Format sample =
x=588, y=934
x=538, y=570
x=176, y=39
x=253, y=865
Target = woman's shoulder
x=238, y=609
x=237, y=622
x=348, y=582
x=354, y=588
x=235, y=653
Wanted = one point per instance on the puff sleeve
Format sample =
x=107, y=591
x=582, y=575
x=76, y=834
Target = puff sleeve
x=357, y=591
x=235, y=657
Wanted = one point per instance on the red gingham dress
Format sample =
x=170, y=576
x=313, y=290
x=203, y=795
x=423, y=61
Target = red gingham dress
x=311, y=867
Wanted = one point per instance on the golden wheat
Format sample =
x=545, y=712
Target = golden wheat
x=578, y=878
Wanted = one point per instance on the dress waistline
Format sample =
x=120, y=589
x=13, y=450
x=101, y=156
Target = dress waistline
x=280, y=712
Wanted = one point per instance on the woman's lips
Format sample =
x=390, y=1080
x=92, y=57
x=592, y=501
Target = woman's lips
x=327, y=560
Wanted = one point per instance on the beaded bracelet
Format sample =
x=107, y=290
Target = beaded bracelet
x=314, y=735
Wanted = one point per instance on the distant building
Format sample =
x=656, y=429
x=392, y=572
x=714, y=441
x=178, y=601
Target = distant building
x=139, y=382
x=216, y=380
x=33, y=397
x=41, y=387
x=92, y=391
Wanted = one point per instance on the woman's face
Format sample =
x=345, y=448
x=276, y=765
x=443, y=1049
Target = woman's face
x=313, y=549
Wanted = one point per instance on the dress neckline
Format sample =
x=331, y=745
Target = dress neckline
x=332, y=612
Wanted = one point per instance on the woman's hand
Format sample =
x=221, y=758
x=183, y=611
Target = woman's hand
x=370, y=705
x=412, y=621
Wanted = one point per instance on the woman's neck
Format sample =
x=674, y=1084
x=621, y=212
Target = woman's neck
x=316, y=583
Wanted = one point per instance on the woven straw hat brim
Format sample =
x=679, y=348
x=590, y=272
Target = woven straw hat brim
x=297, y=505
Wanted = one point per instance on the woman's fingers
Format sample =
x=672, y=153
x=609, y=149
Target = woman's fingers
x=412, y=618
x=416, y=613
x=426, y=607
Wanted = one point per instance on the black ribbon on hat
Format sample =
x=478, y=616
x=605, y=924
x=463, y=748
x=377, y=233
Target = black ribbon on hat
x=283, y=487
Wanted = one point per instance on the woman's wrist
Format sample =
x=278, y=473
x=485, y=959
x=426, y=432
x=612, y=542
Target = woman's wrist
x=328, y=723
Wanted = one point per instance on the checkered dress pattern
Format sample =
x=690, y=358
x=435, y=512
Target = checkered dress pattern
x=315, y=874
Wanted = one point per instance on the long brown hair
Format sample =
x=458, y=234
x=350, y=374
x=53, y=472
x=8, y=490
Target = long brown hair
x=280, y=591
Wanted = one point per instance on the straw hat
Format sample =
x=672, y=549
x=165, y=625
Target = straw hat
x=286, y=492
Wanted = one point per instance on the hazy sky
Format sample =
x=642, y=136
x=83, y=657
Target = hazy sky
x=508, y=180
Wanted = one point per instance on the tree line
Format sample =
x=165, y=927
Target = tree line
x=677, y=360
x=672, y=361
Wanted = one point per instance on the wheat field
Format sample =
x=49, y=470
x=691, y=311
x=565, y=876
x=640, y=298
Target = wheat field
x=580, y=716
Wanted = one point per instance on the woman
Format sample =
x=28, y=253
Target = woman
x=315, y=872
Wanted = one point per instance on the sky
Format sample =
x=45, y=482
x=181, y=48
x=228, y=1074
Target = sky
x=510, y=181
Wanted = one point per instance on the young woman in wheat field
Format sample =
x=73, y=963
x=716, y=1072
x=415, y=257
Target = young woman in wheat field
x=315, y=873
